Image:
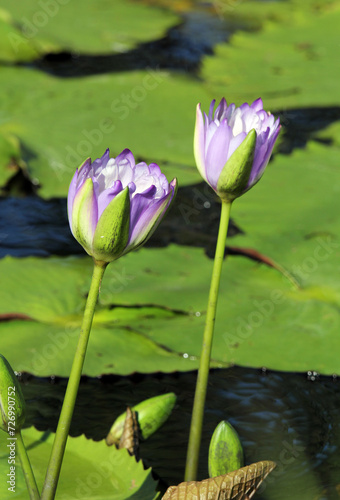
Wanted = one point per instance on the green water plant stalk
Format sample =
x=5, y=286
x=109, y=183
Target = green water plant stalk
x=31, y=484
x=203, y=371
x=114, y=206
x=232, y=147
x=58, y=449
x=12, y=419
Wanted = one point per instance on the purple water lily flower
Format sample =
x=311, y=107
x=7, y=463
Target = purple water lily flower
x=115, y=205
x=232, y=146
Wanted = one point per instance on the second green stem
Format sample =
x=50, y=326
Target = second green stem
x=27, y=468
x=203, y=371
x=58, y=449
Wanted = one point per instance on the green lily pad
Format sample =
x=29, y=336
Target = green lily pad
x=152, y=304
x=110, y=107
x=47, y=320
x=90, y=470
x=14, y=46
x=288, y=65
x=292, y=214
x=254, y=13
x=10, y=156
x=93, y=27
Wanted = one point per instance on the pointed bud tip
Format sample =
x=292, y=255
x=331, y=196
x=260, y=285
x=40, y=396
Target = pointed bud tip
x=225, y=450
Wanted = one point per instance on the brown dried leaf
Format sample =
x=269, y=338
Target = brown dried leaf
x=130, y=436
x=240, y=484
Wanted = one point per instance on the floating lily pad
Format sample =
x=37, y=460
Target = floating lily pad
x=90, y=27
x=288, y=65
x=87, y=116
x=254, y=13
x=14, y=46
x=10, y=156
x=152, y=303
x=152, y=306
x=45, y=322
x=90, y=469
x=293, y=212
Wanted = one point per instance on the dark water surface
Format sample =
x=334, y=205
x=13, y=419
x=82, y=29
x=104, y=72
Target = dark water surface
x=33, y=226
x=292, y=419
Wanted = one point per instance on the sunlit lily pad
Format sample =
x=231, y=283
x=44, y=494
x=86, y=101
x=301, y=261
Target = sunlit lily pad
x=92, y=27
x=14, y=46
x=90, y=470
x=152, y=304
x=10, y=156
x=116, y=111
x=288, y=65
x=291, y=216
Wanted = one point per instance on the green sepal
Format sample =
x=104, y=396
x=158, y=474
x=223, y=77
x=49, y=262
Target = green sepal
x=235, y=174
x=151, y=415
x=112, y=231
x=82, y=215
x=12, y=403
x=225, y=450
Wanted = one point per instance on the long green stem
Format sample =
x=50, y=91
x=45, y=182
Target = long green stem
x=203, y=371
x=27, y=468
x=58, y=449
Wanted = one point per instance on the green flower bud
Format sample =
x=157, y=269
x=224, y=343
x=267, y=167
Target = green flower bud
x=12, y=403
x=225, y=450
x=151, y=415
x=236, y=172
x=232, y=146
x=114, y=204
x=112, y=231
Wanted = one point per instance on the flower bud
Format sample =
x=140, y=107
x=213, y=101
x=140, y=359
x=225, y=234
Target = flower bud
x=114, y=205
x=151, y=415
x=232, y=146
x=12, y=403
x=225, y=450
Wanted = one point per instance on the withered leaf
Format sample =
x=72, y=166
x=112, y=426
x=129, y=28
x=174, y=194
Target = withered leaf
x=240, y=484
x=130, y=436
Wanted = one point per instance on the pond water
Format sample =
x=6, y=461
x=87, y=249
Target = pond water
x=292, y=419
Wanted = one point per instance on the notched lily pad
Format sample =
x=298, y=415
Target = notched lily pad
x=286, y=53
x=90, y=469
x=96, y=26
